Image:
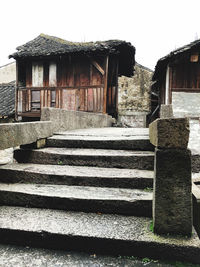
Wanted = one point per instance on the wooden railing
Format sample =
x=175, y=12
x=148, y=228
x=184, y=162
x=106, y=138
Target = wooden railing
x=30, y=100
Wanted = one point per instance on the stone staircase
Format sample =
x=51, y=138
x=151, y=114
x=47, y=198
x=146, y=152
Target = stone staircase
x=87, y=190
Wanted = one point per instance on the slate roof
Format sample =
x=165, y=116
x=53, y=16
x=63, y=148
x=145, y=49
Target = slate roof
x=163, y=62
x=7, y=99
x=45, y=46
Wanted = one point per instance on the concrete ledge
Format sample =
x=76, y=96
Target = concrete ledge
x=15, y=134
x=70, y=120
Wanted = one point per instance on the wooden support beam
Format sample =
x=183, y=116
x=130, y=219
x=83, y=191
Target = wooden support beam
x=105, y=85
x=170, y=85
x=116, y=87
x=98, y=67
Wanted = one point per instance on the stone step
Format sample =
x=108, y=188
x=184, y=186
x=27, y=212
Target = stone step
x=77, y=198
x=94, y=233
x=142, y=160
x=76, y=175
x=101, y=142
x=107, y=131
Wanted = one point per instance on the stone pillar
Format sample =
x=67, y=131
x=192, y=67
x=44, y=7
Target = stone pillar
x=166, y=111
x=172, y=201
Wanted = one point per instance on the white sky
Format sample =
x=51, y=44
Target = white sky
x=154, y=27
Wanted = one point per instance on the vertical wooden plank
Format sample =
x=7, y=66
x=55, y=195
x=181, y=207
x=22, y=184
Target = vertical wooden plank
x=90, y=99
x=77, y=99
x=116, y=87
x=20, y=98
x=86, y=99
x=69, y=99
x=29, y=75
x=105, y=85
x=85, y=72
x=102, y=99
x=16, y=91
x=98, y=99
x=45, y=98
x=48, y=98
x=41, y=99
x=37, y=74
x=53, y=74
x=77, y=74
x=109, y=104
x=82, y=99
x=94, y=100
x=61, y=97
x=57, y=99
x=113, y=96
x=46, y=74
x=198, y=76
x=170, y=85
x=29, y=99
x=64, y=98
x=23, y=100
x=64, y=72
x=91, y=82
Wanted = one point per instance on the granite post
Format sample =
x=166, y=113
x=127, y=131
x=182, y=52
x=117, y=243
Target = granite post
x=172, y=200
x=166, y=111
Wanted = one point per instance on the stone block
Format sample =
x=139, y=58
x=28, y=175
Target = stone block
x=172, y=202
x=169, y=133
x=166, y=111
x=16, y=134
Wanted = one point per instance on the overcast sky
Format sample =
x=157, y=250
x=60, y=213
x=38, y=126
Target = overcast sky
x=154, y=27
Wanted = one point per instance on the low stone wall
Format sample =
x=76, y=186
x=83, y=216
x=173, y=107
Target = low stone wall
x=16, y=134
x=69, y=120
x=133, y=119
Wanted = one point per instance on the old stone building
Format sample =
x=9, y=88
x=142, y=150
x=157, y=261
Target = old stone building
x=134, y=97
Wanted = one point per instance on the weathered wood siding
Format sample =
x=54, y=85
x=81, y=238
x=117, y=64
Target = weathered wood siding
x=186, y=76
x=85, y=84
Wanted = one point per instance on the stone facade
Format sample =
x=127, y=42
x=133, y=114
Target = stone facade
x=134, y=96
x=8, y=73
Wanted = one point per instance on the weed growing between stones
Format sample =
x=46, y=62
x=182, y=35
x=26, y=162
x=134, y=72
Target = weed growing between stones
x=148, y=189
x=145, y=261
x=60, y=162
x=151, y=226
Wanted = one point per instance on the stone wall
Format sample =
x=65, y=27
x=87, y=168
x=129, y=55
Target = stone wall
x=69, y=120
x=134, y=96
x=186, y=104
x=8, y=73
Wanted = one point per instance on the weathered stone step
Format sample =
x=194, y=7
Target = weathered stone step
x=76, y=175
x=142, y=160
x=101, y=142
x=95, y=233
x=77, y=198
x=107, y=131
